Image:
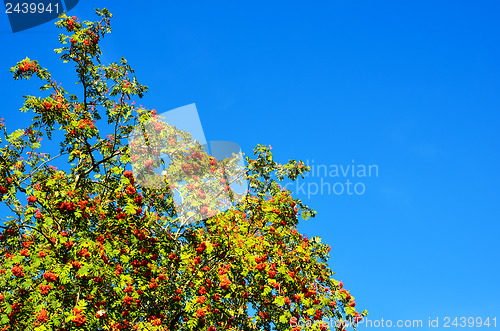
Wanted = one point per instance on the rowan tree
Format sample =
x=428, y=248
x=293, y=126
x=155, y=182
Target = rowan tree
x=96, y=246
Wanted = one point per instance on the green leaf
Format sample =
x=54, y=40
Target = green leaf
x=284, y=319
x=280, y=301
x=5, y=319
x=7, y=308
x=84, y=270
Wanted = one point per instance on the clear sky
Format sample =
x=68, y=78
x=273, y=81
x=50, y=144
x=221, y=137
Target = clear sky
x=409, y=88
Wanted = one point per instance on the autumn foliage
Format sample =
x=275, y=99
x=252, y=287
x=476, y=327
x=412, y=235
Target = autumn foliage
x=90, y=248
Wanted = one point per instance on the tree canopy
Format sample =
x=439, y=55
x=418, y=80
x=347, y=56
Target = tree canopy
x=101, y=246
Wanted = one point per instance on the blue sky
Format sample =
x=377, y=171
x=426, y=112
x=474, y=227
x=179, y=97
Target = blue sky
x=409, y=87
